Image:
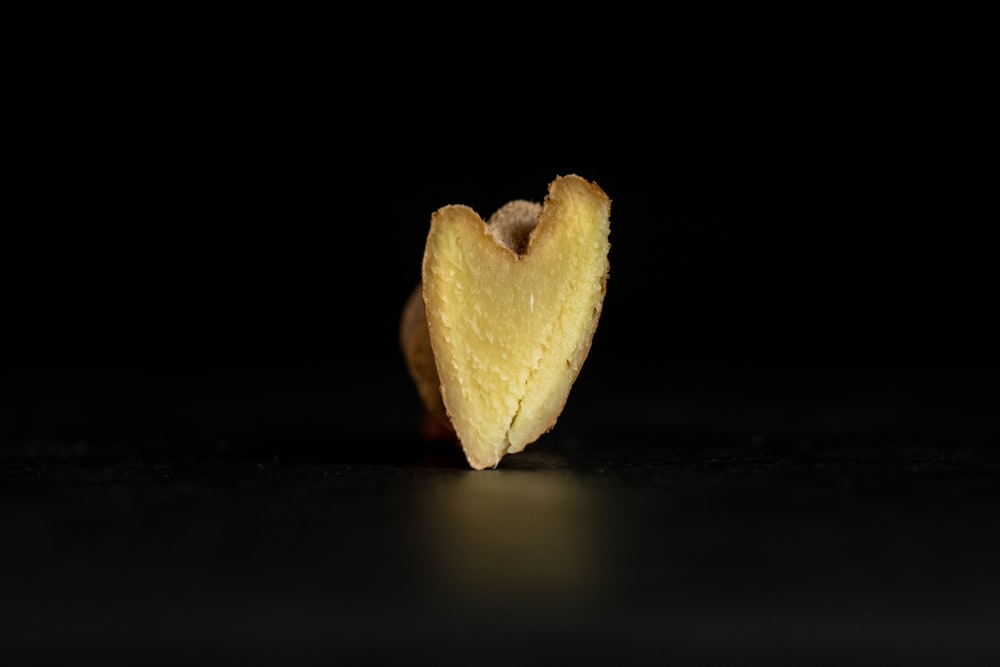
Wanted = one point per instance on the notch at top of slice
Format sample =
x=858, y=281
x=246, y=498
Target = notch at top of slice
x=511, y=308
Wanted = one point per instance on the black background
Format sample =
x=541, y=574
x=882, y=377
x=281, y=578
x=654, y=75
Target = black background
x=188, y=218
x=210, y=242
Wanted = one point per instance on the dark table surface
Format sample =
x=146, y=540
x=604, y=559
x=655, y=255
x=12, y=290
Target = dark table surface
x=800, y=532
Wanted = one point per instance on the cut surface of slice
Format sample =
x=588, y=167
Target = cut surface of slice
x=511, y=321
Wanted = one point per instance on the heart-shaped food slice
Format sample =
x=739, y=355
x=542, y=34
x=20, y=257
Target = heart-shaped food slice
x=511, y=310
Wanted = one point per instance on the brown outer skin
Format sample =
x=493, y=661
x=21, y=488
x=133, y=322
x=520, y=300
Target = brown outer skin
x=415, y=340
x=425, y=380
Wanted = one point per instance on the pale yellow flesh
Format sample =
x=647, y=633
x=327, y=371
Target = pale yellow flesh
x=510, y=332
